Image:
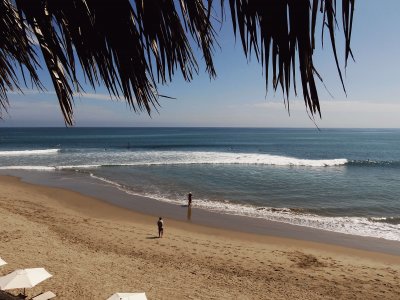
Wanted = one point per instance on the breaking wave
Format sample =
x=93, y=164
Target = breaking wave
x=49, y=168
x=147, y=158
x=29, y=152
x=386, y=228
x=97, y=158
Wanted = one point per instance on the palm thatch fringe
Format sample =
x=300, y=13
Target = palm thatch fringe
x=131, y=46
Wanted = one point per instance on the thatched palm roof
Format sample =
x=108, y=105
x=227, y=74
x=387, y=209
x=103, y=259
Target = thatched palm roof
x=131, y=46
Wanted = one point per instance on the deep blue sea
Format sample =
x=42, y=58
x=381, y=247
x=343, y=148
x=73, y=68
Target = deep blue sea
x=343, y=180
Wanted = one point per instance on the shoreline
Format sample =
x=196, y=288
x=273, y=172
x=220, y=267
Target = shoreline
x=85, y=185
x=94, y=248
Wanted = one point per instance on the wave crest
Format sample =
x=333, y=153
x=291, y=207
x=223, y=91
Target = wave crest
x=29, y=168
x=150, y=158
x=29, y=152
x=389, y=220
x=218, y=158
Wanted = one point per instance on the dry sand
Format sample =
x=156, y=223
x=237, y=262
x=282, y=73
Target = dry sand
x=94, y=249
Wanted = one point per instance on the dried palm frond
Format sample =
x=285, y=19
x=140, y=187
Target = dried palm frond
x=125, y=45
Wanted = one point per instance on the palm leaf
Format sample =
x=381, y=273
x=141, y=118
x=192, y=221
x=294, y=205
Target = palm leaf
x=132, y=46
x=15, y=52
x=281, y=31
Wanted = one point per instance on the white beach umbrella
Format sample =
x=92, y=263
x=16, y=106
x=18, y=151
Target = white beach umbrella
x=23, y=278
x=2, y=262
x=128, y=296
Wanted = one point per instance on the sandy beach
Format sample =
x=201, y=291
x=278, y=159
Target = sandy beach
x=94, y=249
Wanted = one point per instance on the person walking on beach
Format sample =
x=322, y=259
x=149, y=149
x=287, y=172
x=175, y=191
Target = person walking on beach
x=160, y=225
x=189, y=199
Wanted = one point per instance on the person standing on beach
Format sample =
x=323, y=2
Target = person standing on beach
x=189, y=199
x=160, y=225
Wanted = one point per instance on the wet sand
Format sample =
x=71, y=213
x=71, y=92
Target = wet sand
x=86, y=185
x=94, y=249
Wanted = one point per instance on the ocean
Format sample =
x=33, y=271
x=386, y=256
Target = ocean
x=341, y=180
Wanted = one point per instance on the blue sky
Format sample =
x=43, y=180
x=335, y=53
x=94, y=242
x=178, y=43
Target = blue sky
x=238, y=98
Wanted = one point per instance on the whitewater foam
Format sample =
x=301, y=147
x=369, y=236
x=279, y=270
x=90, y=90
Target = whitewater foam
x=159, y=158
x=29, y=152
x=197, y=157
x=347, y=225
x=148, y=158
x=27, y=168
x=77, y=167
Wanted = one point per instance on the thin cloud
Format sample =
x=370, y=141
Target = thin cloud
x=96, y=96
